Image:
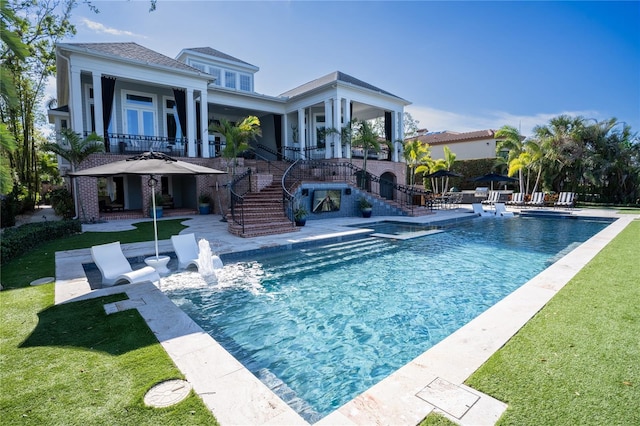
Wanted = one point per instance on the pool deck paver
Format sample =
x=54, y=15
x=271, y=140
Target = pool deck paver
x=235, y=396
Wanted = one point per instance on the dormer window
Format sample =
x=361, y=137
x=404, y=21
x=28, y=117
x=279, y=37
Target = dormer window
x=245, y=82
x=215, y=72
x=230, y=79
x=198, y=66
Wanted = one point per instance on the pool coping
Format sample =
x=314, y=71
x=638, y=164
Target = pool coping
x=236, y=396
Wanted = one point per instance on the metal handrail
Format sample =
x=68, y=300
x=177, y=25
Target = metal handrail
x=237, y=189
x=344, y=171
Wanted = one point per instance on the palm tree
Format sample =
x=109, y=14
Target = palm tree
x=75, y=150
x=365, y=137
x=237, y=138
x=416, y=154
x=511, y=140
x=449, y=161
x=564, y=148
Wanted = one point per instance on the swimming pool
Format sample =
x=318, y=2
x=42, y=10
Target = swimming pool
x=320, y=325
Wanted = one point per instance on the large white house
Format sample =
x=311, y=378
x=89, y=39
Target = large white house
x=141, y=100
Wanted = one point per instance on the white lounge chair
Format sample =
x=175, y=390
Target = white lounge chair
x=517, y=199
x=537, y=199
x=566, y=199
x=115, y=267
x=501, y=210
x=492, y=198
x=188, y=252
x=477, y=209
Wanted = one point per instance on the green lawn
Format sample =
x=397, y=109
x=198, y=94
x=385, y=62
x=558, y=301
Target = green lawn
x=577, y=362
x=72, y=364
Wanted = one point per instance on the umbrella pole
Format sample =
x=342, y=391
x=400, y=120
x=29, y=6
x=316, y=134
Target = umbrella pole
x=152, y=184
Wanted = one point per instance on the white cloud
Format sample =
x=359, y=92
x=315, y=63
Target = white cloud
x=99, y=28
x=438, y=120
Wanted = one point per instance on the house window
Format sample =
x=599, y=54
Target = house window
x=245, y=82
x=215, y=72
x=198, y=66
x=140, y=114
x=230, y=79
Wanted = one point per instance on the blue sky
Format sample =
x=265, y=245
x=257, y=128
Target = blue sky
x=464, y=65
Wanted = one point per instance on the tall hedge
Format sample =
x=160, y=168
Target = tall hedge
x=19, y=240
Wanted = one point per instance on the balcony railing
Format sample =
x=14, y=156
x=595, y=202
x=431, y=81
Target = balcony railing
x=135, y=144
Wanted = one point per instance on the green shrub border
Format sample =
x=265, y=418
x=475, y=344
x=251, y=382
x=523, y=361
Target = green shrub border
x=19, y=240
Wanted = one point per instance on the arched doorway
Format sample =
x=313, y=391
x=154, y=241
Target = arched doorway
x=387, y=181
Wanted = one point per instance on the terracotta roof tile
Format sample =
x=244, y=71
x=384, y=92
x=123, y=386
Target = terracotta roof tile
x=448, y=136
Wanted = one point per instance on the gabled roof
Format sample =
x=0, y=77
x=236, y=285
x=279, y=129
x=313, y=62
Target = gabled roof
x=332, y=78
x=129, y=51
x=217, y=54
x=448, y=136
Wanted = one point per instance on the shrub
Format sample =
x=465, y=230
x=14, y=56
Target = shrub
x=62, y=203
x=8, y=211
x=16, y=241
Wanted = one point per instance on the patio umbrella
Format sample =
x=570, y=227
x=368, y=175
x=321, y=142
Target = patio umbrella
x=148, y=163
x=494, y=177
x=442, y=174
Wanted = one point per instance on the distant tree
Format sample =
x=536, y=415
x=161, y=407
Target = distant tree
x=416, y=153
x=449, y=161
x=38, y=25
x=512, y=141
x=365, y=137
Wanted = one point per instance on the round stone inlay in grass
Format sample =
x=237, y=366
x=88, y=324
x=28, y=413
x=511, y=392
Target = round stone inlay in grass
x=167, y=393
x=45, y=280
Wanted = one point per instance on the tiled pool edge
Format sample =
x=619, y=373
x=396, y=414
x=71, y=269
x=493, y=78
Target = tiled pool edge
x=395, y=399
x=235, y=396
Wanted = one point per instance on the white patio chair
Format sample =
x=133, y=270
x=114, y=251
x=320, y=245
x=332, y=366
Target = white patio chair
x=493, y=197
x=501, y=210
x=566, y=199
x=188, y=252
x=114, y=267
x=517, y=199
x=537, y=199
x=477, y=209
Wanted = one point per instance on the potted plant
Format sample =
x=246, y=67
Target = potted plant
x=204, y=204
x=365, y=207
x=159, y=200
x=300, y=216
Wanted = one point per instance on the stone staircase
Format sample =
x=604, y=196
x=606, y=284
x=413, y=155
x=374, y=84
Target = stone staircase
x=263, y=212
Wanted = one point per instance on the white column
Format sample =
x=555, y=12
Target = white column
x=337, y=139
x=204, y=122
x=285, y=134
x=394, y=144
x=191, y=123
x=347, y=122
x=328, y=123
x=400, y=134
x=302, y=134
x=97, y=103
x=76, y=102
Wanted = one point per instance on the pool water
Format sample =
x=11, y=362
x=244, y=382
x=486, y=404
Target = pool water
x=397, y=228
x=321, y=325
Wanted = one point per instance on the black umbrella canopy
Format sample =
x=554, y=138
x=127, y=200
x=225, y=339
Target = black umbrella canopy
x=494, y=177
x=442, y=173
x=148, y=163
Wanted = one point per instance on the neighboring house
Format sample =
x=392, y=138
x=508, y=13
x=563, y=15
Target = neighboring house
x=466, y=146
x=141, y=100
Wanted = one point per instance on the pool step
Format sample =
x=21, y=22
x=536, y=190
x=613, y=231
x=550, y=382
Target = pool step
x=333, y=255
